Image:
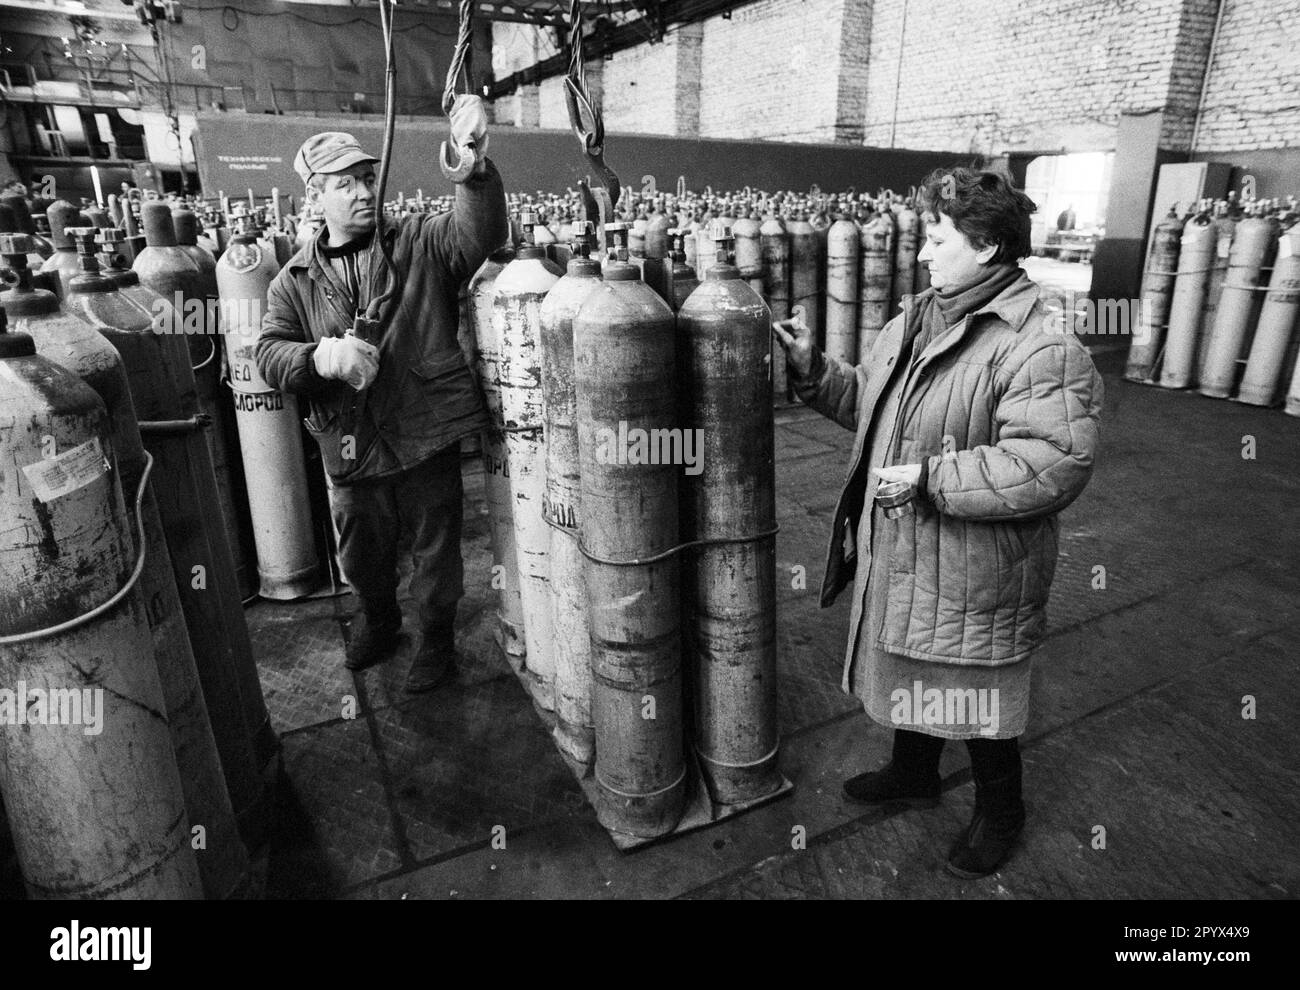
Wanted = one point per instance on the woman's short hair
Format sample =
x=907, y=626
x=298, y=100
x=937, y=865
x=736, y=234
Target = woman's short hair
x=984, y=206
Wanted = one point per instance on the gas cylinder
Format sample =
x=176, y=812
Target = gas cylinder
x=1196, y=250
x=729, y=502
x=636, y=233
x=681, y=277
x=905, y=252
x=186, y=225
x=162, y=385
x=26, y=225
x=1157, y=289
x=496, y=466
x=704, y=244
x=1253, y=244
x=75, y=345
x=775, y=242
x=1293, y=393
x=1225, y=226
x=1271, y=347
x=63, y=262
x=520, y=289
x=135, y=241
x=690, y=246
x=93, y=796
x=41, y=280
x=747, y=231
x=803, y=273
x=626, y=383
x=842, y=289
x=270, y=436
x=170, y=270
x=544, y=238
x=875, y=279
x=656, y=269
x=574, y=730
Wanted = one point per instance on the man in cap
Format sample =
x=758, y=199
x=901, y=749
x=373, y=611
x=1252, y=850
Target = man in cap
x=391, y=397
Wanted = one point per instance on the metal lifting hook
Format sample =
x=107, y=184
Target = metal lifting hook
x=460, y=167
x=585, y=119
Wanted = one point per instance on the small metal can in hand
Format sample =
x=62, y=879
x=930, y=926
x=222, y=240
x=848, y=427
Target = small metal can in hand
x=895, y=497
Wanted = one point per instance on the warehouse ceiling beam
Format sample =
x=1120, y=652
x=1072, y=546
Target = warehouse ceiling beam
x=608, y=38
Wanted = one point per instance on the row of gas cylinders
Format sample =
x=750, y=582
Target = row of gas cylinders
x=121, y=587
x=844, y=260
x=264, y=485
x=1219, y=303
x=631, y=491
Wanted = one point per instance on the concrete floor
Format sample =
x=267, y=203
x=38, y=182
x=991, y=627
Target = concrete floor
x=1137, y=723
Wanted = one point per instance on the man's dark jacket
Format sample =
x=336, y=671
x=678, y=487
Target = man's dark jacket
x=424, y=396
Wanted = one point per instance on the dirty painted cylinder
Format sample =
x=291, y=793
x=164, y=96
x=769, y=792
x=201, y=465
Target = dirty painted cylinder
x=626, y=383
x=875, y=279
x=729, y=495
x=574, y=729
x=1272, y=346
x=1195, y=256
x=92, y=792
x=656, y=268
x=1157, y=292
x=496, y=467
x=1253, y=245
x=842, y=247
x=516, y=309
x=74, y=343
x=748, y=234
x=906, y=248
x=1225, y=227
x=270, y=436
x=1293, y=393
x=775, y=243
x=804, y=264
x=681, y=275
x=171, y=271
x=157, y=363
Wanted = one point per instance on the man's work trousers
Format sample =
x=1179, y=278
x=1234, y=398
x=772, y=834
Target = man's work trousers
x=427, y=501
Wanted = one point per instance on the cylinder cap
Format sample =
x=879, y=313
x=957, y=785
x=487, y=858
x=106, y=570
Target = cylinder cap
x=61, y=215
x=158, y=228
x=187, y=227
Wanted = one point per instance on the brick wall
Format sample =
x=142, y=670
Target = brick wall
x=964, y=76
x=1253, y=98
x=772, y=71
x=1025, y=76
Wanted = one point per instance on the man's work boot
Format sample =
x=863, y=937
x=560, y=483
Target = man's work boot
x=987, y=841
x=372, y=636
x=435, y=660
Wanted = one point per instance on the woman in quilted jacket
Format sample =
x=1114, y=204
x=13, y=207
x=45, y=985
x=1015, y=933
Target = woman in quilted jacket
x=976, y=398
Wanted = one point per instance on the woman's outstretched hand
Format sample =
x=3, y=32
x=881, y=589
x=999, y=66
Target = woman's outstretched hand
x=797, y=339
x=907, y=473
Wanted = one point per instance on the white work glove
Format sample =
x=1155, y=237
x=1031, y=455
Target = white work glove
x=469, y=128
x=349, y=359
